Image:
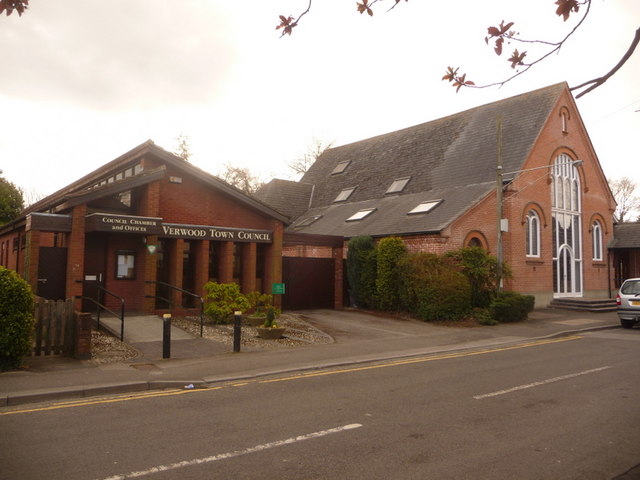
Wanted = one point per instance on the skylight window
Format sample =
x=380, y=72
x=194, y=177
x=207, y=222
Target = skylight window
x=425, y=207
x=341, y=167
x=344, y=194
x=308, y=221
x=398, y=185
x=360, y=214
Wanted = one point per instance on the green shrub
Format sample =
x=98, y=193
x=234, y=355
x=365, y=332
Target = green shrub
x=481, y=270
x=361, y=271
x=389, y=253
x=511, y=307
x=222, y=299
x=259, y=303
x=433, y=288
x=16, y=319
x=483, y=317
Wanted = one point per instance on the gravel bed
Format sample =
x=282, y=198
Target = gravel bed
x=106, y=348
x=298, y=333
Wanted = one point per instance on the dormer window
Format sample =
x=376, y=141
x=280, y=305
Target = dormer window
x=398, y=185
x=425, y=207
x=341, y=167
x=344, y=194
x=360, y=214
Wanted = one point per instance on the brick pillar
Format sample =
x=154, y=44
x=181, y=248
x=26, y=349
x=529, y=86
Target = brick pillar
x=31, y=259
x=249, y=258
x=201, y=252
x=75, y=255
x=338, y=268
x=175, y=271
x=225, y=265
x=273, y=262
x=150, y=274
x=82, y=340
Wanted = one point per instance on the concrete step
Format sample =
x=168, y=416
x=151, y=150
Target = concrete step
x=585, y=304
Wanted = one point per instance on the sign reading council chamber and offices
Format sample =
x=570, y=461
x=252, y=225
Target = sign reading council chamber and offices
x=102, y=222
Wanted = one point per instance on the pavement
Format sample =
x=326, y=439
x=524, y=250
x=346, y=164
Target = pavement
x=358, y=337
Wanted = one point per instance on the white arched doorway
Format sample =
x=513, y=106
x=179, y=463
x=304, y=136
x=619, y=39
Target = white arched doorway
x=567, y=238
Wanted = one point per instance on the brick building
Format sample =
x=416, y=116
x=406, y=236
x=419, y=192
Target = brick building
x=143, y=221
x=436, y=186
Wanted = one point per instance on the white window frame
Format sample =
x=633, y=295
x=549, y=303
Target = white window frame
x=425, y=207
x=344, y=194
x=532, y=232
x=398, y=185
x=596, y=239
x=360, y=214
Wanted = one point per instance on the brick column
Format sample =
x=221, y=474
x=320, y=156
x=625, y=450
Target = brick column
x=175, y=275
x=201, y=251
x=150, y=274
x=273, y=262
x=75, y=255
x=249, y=257
x=32, y=259
x=338, y=267
x=225, y=265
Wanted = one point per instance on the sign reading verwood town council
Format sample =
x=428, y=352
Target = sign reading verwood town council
x=104, y=222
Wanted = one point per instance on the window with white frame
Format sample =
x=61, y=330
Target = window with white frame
x=344, y=194
x=596, y=237
x=533, y=234
x=360, y=214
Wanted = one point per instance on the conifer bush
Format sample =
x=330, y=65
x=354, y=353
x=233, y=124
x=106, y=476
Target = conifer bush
x=361, y=271
x=17, y=319
x=390, y=251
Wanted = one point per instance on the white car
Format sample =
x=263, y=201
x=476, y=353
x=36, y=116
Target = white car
x=628, y=300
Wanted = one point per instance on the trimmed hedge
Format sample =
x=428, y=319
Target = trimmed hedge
x=511, y=307
x=17, y=319
x=434, y=288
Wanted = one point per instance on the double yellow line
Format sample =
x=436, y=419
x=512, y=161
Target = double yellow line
x=298, y=376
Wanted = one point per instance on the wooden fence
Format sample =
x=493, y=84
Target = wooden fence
x=54, y=333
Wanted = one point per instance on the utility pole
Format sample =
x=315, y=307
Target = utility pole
x=499, y=212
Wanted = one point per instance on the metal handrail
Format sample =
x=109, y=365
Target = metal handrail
x=104, y=307
x=186, y=292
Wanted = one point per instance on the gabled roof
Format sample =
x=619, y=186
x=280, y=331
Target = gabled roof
x=452, y=159
x=625, y=235
x=287, y=197
x=86, y=188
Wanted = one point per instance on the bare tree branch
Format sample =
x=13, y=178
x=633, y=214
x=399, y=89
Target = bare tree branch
x=596, y=82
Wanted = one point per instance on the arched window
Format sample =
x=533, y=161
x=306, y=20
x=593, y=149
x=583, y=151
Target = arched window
x=532, y=232
x=474, y=242
x=596, y=237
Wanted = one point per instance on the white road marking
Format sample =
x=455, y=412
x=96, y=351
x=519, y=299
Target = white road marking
x=237, y=453
x=537, y=384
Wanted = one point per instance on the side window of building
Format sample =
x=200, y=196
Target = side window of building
x=532, y=233
x=125, y=265
x=596, y=237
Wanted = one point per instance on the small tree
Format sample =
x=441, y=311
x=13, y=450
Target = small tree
x=361, y=270
x=11, y=201
x=241, y=178
x=389, y=253
x=16, y=319
x=300, y=165
x=623, y=190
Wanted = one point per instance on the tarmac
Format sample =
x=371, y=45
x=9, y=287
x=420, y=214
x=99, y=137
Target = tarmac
x=358, y=337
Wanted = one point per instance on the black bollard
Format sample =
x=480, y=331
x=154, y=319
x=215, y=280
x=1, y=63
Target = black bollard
x=237, y=330
x=166, y=335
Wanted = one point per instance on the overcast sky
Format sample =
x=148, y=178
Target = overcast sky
x=84, y=81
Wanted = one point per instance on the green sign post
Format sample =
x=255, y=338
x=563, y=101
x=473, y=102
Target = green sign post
x=277, y=289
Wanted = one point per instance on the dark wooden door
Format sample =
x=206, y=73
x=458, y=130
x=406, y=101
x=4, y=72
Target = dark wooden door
x=52, y=273
x=309, y=283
